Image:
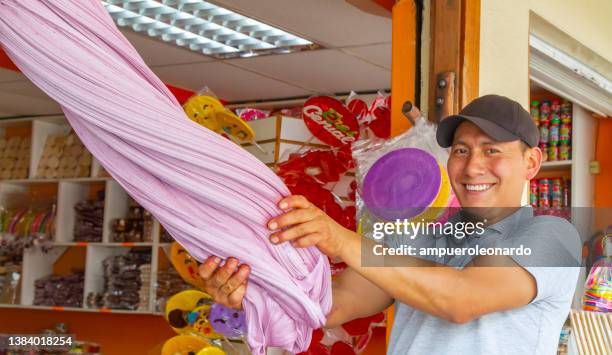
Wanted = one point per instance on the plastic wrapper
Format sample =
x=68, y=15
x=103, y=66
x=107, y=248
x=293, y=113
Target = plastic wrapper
x=251, y=114
x=89, y=219
x=10, y=281
x=123, y=282
x=169, y=283
x=598, y=287
x=366, y=152
x=60, y=290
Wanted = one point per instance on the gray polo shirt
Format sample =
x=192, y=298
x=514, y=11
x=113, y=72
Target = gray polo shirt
x=531, y=329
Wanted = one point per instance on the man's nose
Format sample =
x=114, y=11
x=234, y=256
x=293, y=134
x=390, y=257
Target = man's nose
x=475, y=165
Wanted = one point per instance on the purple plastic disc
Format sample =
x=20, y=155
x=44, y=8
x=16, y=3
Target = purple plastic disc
x=401, y=184
x=227, y=321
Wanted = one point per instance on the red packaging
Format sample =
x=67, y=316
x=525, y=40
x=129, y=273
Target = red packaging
x=544, y=193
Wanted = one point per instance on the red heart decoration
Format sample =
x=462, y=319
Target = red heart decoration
x=341, y=348
x=357, y=326
x=329, y=121
x=381, y=125
x=359, y=108
x=316, y=349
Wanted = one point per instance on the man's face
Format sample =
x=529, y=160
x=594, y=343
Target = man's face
x=486, y=173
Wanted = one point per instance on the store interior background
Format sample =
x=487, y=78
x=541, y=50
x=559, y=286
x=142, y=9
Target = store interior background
x=355, y=56
x=356, y=36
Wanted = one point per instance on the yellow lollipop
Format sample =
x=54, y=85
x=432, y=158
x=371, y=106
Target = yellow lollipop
x=203, y=110
x=235, y=126
x=185, y=265
x=187, y=312
x=211, y=350
x=184, y=345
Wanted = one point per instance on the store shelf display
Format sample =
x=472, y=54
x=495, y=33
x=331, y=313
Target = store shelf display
x=66, y=215
x=64, y=156
x=15, y=157
x=169, y=283
x=551, y=196
x=554, y=120
x=59, y=290
x=89, y=219
x=135, y=227
x=117, y=284
x=11, y=259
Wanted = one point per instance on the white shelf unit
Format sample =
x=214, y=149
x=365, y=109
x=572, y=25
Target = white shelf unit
x=279, y=136
x=583, y=133
x=65, y=193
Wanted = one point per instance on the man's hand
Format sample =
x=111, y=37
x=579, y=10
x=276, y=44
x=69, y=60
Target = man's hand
x=305, y=225
x=226, y=284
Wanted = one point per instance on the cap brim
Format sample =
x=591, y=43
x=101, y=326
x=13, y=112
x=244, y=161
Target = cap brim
x=446, y=129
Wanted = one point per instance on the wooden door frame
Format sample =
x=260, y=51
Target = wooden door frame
x=455, y=47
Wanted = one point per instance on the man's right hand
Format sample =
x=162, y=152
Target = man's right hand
x=226, y=284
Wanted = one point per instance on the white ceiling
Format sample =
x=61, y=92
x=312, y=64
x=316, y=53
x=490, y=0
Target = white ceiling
x=356, y=55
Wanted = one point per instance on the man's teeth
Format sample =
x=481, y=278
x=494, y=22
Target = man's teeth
x=480, y=187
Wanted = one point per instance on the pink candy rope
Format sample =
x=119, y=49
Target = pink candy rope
x=211, y=195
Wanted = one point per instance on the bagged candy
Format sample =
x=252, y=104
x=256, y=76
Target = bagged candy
x=598, y=286
x=403, y=177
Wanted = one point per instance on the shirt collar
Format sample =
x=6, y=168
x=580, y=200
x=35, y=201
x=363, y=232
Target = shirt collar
x=510, y=221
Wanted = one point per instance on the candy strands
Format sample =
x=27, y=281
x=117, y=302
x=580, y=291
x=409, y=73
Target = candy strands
x=212, y=195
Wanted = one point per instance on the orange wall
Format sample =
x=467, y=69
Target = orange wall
x=403, y=62
x=603, y=186
x=603, y=181
x=118, y=334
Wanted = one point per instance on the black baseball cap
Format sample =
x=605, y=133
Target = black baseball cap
x=499, y=117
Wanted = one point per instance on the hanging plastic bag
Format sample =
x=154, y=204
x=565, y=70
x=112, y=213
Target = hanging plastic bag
x=407, y=170
x=598, y=286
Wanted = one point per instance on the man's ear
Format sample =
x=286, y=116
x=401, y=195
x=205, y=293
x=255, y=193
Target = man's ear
x=534, y=161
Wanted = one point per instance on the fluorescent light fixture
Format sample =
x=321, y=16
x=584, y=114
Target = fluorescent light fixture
x=570, y=63
x=204, y=28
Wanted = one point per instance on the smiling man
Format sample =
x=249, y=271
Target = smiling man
x=451, y=304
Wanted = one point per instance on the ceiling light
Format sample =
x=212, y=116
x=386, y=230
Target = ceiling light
x=204, y=27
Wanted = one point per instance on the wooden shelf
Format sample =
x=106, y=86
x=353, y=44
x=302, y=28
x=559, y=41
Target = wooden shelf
x=64, y=193
x=556, y=164
x=46, y=181
x=78, y=309
x=103, y=244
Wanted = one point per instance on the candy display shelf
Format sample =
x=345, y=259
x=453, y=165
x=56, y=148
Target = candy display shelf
x=65, y=193
x=583, y=131
x=278, y=136
x=547, y=165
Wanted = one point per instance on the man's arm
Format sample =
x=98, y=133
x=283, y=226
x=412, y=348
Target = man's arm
x=355, y=297
x=489, y=284
x=492, y=284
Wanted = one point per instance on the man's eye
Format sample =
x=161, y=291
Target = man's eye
x=459, y=151
x=492, y=151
